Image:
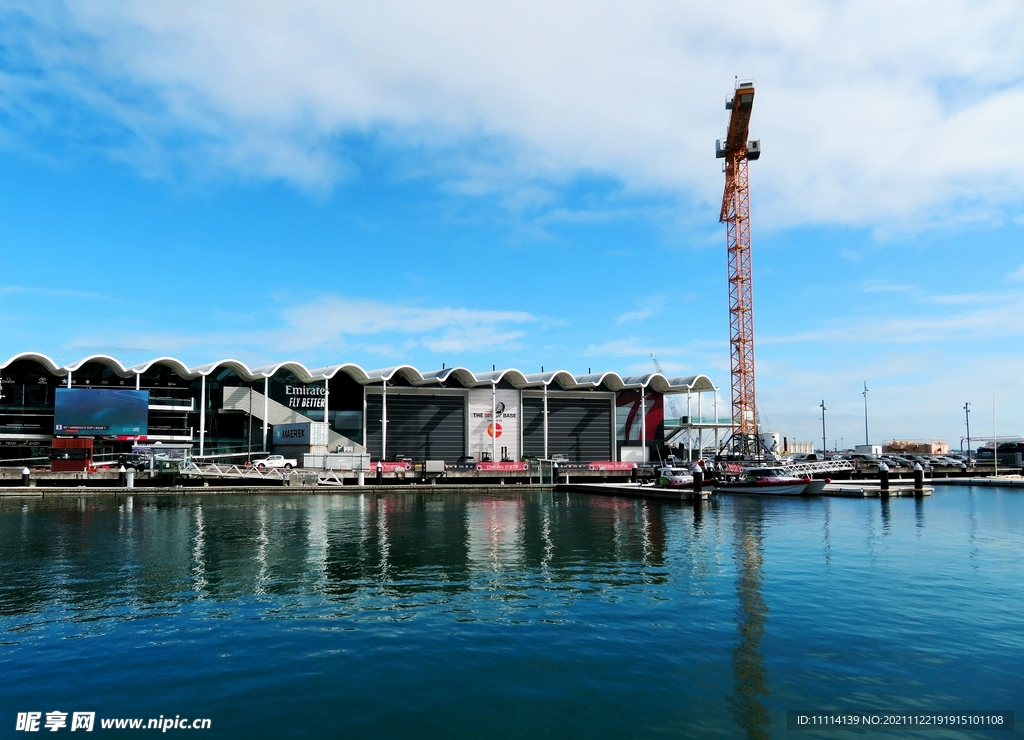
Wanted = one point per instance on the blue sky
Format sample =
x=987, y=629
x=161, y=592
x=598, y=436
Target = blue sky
x=527, y=185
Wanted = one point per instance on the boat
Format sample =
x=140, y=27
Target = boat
x=672, y=477
x=771, y=481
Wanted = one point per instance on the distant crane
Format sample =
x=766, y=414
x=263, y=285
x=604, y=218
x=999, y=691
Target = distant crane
x=668, y=397
x=735, y=214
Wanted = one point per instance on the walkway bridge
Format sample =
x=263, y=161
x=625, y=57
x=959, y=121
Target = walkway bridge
x=252, y=475
x=821, y=466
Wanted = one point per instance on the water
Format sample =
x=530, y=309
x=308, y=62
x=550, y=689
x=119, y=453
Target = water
x=510, y=616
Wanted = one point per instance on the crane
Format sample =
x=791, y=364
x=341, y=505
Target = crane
x=671, y=400
x=737, y=151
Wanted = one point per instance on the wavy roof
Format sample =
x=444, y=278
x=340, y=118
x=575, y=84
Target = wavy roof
x=445, y=377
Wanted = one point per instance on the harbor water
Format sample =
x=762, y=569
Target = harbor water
x=520, y=615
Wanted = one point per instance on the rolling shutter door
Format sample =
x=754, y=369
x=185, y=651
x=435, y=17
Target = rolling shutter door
x=421, y=427
x=578, y=427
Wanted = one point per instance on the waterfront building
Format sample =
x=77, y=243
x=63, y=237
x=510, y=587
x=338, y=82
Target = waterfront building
x=226, y=408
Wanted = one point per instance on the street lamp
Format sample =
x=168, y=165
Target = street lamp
x=824, y=444
x=967, y=417
x=866, y=442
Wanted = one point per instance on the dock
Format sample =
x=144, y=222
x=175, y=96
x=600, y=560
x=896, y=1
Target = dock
x=633, y=490
x=106, y=482
x=850, y=489
x=1011, y=481
x=257, y=490
x=873, y=489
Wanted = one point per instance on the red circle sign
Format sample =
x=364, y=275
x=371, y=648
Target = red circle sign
x=494, y=430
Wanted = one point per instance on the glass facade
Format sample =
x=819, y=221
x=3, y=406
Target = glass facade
x=26, y=411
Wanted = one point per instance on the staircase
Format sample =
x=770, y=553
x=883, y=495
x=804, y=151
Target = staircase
x=247, y=400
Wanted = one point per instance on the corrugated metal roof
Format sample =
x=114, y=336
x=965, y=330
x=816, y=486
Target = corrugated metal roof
x=462, y=376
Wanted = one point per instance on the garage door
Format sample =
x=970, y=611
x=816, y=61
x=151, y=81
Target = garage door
x=578, y=427
x=419, y=426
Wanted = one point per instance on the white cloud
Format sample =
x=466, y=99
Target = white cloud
x=862, y=121
x=329, y=325
x=633, y=316
x=332, y=315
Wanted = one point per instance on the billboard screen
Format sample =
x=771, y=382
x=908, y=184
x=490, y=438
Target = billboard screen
x=101, y=412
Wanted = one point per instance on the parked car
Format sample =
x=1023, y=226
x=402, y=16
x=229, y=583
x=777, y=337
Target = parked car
x=809, y=457
x=134, y=460
x=897, y=461
x=275, y=461
x=864, y=461
x=921, y=460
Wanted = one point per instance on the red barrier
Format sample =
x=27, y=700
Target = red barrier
x=391, y=467
x=482, y=466
x=607, y=465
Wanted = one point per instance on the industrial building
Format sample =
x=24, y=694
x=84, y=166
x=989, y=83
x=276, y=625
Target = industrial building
x=225, y=408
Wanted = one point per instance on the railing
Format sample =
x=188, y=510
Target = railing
x=225, y=470
x=21, y=462
x=700, y=421
x=823, y=466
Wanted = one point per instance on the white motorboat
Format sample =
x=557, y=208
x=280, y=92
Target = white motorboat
x=770, y=481
x=672, y=477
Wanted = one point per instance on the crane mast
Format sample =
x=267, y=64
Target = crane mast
x=736, y=150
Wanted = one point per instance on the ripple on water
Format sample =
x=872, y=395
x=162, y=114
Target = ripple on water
x=513, y=615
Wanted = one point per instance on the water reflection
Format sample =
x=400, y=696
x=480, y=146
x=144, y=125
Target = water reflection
x=154, y=550
x=199, y=582
x=494, y=534
x=316, y=544
x=750, y=676
x=972, y=532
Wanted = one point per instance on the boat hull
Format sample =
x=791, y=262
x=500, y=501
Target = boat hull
x=765, y=489
x=815, y=487
x=675, y=481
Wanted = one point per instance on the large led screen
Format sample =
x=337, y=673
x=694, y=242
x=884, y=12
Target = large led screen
x=101, y=412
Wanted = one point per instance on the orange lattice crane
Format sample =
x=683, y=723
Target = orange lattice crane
x=737, y=151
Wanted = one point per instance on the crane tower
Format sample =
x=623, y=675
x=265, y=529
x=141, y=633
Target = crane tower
x=736, y=150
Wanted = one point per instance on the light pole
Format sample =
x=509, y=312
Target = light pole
x=967, y=417
x=866, y=442
x=824, y=444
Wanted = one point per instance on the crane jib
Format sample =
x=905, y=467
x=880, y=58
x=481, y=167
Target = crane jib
x=739, y=122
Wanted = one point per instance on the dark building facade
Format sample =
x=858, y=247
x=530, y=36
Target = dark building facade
x=227, y=409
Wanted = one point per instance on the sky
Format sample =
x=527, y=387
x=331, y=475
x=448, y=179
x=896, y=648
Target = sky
x=528, y=184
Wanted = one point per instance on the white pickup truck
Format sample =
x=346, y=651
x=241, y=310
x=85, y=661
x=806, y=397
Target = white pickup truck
x=275, y=461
